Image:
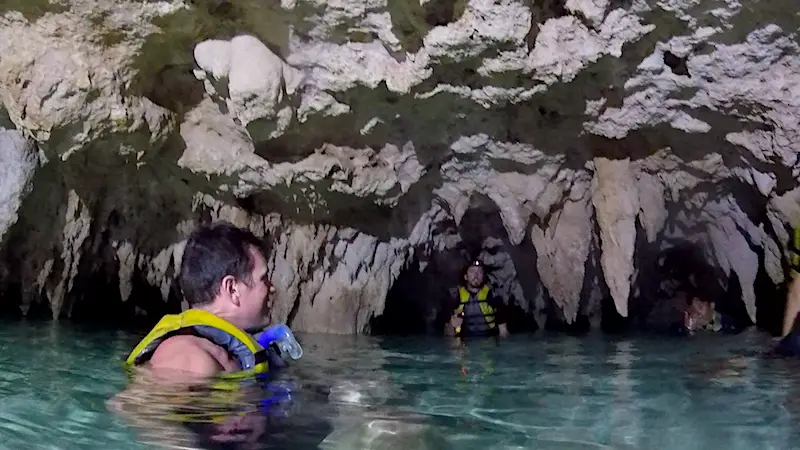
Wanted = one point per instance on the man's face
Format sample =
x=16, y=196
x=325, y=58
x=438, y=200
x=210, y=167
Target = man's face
x=254, y=302
x=698, y=314
x=474, y=276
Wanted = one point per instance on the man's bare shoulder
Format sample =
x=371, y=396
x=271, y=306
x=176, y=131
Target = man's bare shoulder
x=186, y=354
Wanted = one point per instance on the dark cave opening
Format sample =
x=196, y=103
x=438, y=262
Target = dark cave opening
x=10, y=301
x=770, y=299
x=421, y=301
x=410, y=304
x=95, y=298
x=678, y=274
x=96, y=301
x=611, y=321
x=730, y=302
x=580, y=325
x=519, y=320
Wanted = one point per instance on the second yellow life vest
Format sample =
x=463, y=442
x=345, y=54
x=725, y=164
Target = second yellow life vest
x=478, y=314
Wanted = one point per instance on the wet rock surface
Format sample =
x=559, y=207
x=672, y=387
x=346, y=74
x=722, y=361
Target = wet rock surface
x=380, y=145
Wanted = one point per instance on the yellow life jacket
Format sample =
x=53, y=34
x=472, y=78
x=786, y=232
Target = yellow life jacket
x=715, y=324
x=225, y=394
x=252, y=357
x=794, y=251
x=476, y=322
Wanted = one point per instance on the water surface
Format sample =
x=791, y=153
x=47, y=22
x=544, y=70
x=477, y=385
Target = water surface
x=538, y=391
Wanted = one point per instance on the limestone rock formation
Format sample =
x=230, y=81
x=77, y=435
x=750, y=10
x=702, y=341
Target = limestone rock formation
x=568, y=144
x=562, y=246
x=616, y=203
x=18, y=162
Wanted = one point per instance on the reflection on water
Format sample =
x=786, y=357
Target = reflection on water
x=541, y=391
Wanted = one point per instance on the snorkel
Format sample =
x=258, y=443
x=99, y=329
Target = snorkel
x=281, y=339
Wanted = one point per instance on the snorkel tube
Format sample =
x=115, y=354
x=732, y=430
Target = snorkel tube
x=280, y=339
x=280, y=343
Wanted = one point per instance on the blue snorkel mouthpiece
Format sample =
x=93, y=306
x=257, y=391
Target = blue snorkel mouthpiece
x=283, y=338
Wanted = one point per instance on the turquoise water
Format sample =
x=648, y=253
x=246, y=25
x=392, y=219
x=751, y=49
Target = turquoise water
x=540, y=391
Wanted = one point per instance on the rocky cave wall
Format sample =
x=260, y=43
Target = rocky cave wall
x=378, y=145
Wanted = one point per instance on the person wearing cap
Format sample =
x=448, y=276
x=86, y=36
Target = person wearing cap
x=477, y=313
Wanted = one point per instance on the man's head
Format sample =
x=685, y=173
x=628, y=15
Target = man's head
x=474, y=276
x=224, y=271
x=698, y=313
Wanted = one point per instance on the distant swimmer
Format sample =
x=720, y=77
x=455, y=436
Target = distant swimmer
x=702, y=315
x=790, y=333
x=477, y=312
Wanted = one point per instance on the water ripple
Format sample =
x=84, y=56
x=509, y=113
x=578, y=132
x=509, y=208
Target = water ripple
x=378, y=394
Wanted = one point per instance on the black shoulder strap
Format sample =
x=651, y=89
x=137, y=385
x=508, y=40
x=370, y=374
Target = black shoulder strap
x=261, y=357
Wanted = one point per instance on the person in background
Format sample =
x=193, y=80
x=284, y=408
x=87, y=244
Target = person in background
x=477, y=313
x=790, y=335
x=793, y=294
x=732, y=370
x=702, y=315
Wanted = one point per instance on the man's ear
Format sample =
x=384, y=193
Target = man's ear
x=229, y=289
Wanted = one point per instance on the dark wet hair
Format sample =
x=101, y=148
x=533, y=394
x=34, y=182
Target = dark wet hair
x=473, y=263
x=214, y=251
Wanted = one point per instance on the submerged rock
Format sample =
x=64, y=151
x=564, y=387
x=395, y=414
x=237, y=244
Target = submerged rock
x=567, y=144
